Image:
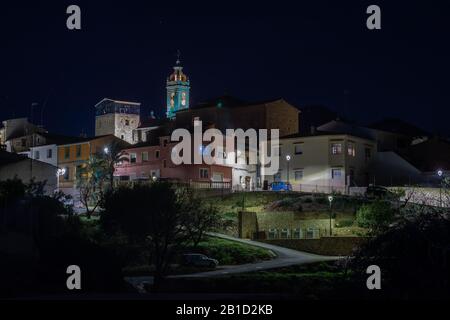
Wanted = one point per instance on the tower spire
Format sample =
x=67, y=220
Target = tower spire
x=178, y=57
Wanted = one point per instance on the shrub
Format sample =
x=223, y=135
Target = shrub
x=344, y=223
x=376, y=215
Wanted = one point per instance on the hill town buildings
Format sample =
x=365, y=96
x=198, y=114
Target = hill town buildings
x=316, y=152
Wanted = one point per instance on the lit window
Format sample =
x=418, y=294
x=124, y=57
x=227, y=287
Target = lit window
x=336, y=148
x=183, y=99
x=351, y=149
x=298, y=175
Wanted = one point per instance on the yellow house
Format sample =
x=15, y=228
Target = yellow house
x=73, y=156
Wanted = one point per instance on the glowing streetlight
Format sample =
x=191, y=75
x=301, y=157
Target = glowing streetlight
x=440, y=173
x=59, y=172
x=288, y=158
x=330, y=200
x=106, y=150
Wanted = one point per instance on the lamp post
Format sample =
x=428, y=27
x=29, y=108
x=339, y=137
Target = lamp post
x=59, y=172
x=243, y=196
x=330, y=200
x=288, y=158
x=440, y=173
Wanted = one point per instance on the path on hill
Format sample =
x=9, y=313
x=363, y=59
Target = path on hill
x=284, y=258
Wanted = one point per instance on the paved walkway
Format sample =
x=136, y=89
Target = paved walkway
x=284, y=258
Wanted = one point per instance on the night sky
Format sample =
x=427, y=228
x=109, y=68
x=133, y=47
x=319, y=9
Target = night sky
x=308, y=52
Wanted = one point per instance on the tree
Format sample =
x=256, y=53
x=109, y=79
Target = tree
x=90, y=181
x=413, y=254
x=201, y=218
x=155, y=215
x=376, y=215
x=113, y=154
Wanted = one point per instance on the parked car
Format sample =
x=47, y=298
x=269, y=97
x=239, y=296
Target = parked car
x=280, y=186
x=199, y=260
x=379, y=192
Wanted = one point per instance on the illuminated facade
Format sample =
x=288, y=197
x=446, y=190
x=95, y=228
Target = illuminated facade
x=177, y=91
x=119, y=118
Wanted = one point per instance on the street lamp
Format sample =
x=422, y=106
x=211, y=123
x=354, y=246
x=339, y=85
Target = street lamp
x=106, y=150
x=288, y=158
x=59, y=172
x=330, y=200
x=243, y=195
x=440, y=173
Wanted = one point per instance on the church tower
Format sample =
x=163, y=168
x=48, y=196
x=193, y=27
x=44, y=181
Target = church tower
x=119, y=118
x=177, y=91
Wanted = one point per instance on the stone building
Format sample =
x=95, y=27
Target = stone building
x=119, y=118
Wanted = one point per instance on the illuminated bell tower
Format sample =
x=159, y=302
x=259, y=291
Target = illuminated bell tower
x=177, y=91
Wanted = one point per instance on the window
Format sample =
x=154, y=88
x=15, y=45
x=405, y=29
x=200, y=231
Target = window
x=66, y=152
x=336, y=173
x=164, y=163
x=122, y=136
x=204, y=173
x=336, y=148
x=144, y=156
x=78, y=150
x=368, y=153
x=351, y=149
x=127, y=122
x=132, y=157
x=298, y=175
x=37, y=155
x=157, y=154
x=183, y=98
x=49, y=153
x=299, y=148
x=164, y=142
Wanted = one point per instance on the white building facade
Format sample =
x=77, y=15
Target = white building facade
x=324, y=162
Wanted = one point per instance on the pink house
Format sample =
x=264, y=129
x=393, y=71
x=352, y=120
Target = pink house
x=146, y=161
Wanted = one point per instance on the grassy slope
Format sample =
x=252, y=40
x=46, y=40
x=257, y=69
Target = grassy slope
x=313, y=207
